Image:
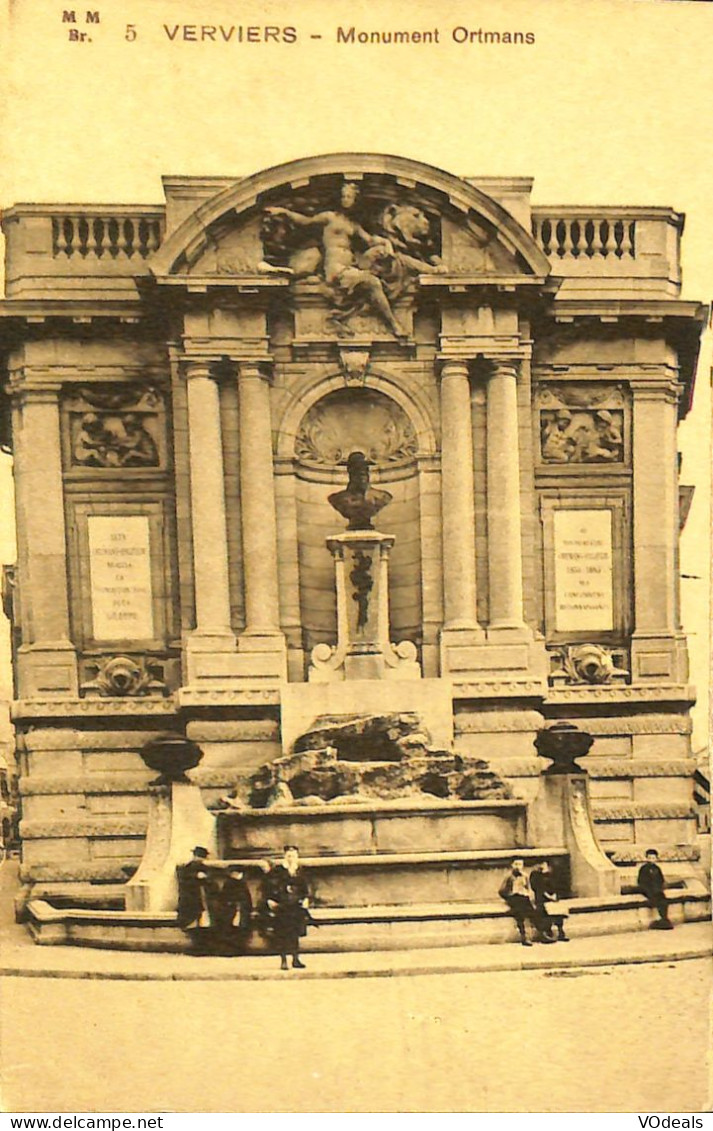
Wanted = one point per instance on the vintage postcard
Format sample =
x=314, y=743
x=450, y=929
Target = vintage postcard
x=355, y=488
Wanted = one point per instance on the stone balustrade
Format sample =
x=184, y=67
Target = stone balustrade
x=572, y=236
x=600, y=249
x=108, y=236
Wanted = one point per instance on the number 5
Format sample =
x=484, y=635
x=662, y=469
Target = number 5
x=130, y=32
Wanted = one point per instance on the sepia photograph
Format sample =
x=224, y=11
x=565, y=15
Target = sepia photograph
x=355, y=391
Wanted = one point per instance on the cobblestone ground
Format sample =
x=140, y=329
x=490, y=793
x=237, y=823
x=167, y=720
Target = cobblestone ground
x=626, y=1038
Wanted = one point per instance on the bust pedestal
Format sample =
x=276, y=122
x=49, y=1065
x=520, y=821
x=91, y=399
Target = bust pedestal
x=363, y=649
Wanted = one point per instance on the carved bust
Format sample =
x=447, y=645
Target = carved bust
x=359, y=502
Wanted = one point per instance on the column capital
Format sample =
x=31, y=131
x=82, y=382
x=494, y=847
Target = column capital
x=505, y=366
x=36, y=386
x=662, y=387
x=449, y=366
x=254, y=370
x=193, y=368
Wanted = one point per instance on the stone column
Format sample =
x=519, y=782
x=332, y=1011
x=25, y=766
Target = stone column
x=257, y=502
x=210, y=540
x=504, y=524
x=47, y=662
x=458, y=503
x=658, y=647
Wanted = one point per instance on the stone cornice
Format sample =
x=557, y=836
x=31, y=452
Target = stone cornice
x=82, y=708
x=654, y=310
x=642, y=810
x=112, y=783
x=622, y=695
x=73, y=829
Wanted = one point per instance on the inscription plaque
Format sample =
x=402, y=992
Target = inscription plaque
x=120, y=572
x=583, y=571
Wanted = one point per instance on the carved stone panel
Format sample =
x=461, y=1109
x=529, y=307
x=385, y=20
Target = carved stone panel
x=115, y=428
x=582, y=424
x=355, y=420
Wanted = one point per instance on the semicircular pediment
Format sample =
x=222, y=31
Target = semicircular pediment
x=432, y=221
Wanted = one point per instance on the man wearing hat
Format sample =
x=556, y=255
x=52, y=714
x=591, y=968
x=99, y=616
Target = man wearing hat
x=214, y=904
x=193, y=914
x=287, y=900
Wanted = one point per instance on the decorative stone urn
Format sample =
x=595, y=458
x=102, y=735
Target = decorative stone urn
x=563, y=743
x=171, y=755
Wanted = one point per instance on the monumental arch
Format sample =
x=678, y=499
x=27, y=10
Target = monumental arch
x=184, y=384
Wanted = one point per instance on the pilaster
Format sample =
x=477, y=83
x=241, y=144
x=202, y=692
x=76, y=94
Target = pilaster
x=213, y=633
x=658, y=649
x=47, y=664
x=460, y=625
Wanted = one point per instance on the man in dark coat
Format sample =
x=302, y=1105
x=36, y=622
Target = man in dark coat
x=650, y=882
x=287, y=902
x=214, y=905
x=193, y=915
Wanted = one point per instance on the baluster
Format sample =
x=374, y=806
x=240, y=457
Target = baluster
x=589, y=238
x=82, y=229
x=618, y=230
x=575, y=231
x=112, y=230
x=100, y=237
x=153, y=239
x=69, y=235
x=130, y=245
x=141, y=237
x=121, y=237
x=627, y=243
x=546, y=236
x=60, y=243
x=607, y=236
x=561, y=235
x=91, y=241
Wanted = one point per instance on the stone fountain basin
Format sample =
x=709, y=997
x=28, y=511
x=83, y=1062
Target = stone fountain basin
x=344, y=828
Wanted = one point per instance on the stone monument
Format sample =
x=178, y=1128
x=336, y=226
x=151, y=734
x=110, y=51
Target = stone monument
x=361, y=564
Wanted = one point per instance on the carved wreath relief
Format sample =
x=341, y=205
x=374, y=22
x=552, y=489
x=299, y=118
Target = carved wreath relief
x=365, y=254
x=344, y=422
x=581, y=424
x=106, y=435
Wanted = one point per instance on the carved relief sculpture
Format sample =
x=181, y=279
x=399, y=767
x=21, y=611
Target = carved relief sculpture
x=588, y=663
x=107, y=436
x=361, y=269
x=124, y=676
x=584, y=425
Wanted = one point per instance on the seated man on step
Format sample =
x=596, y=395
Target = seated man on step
x=517, y=893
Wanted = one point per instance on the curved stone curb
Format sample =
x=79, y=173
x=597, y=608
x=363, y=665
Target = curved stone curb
x=227, y=969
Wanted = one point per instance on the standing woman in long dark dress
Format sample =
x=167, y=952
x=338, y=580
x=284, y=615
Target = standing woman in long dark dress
x=287, y=898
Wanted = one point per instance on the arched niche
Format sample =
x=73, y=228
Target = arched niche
x=346, y=419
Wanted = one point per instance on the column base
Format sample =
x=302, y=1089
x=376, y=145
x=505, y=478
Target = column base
x=506, y=658
x=508, y=632
x=47, y=669
x=219, y=661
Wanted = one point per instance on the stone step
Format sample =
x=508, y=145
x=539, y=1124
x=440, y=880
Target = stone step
x=359, y=880
x=383, y=927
